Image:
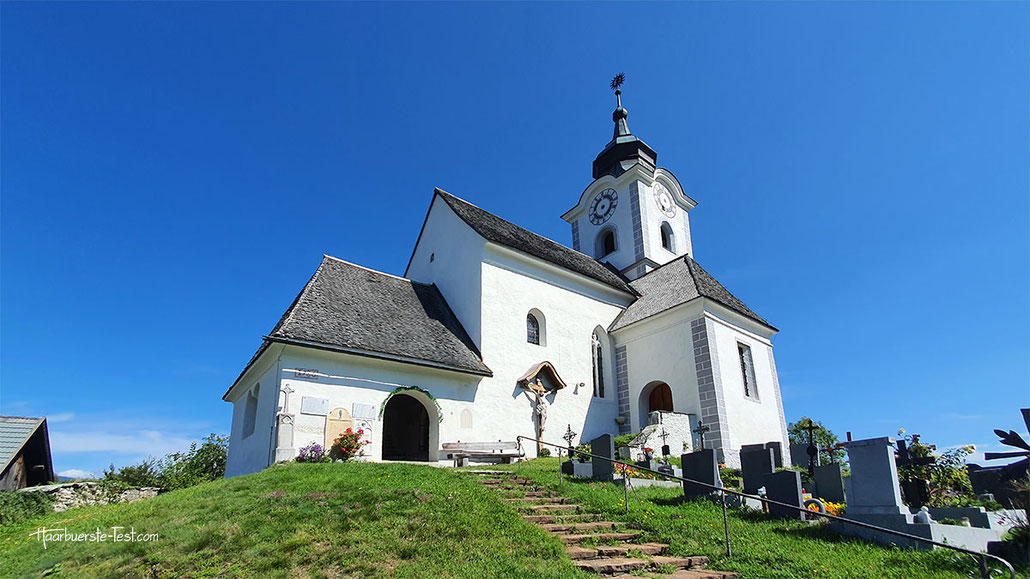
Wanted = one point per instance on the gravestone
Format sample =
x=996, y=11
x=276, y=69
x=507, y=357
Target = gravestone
x=336, y=422
x=776, y=447
x=755, y=463
x=829, y=485
x=987, y=480
x=701, y=466
x=784, y=487
x=284, y=437
x=799, y=455
x=568, y=467
x=603, y=447
x=874, y=495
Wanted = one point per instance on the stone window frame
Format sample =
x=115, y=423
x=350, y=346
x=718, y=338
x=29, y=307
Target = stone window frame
x=597, y=362
x=746, y=361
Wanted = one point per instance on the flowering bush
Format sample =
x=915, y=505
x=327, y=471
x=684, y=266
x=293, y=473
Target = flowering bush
x=629, y=472
x=835, y=509
x=348, y=444
x=313, y=453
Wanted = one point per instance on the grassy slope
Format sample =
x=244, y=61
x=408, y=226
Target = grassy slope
x=402, y=520
x=761, y=547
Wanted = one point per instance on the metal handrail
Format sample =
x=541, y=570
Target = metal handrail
x=980, y=557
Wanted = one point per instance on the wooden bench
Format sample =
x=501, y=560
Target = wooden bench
x=501, y=451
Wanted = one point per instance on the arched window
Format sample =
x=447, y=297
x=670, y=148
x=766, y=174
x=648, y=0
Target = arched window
x=667, y=239
x=606, y=243
x=598, y=359
x=250, y=411
x=532, y=329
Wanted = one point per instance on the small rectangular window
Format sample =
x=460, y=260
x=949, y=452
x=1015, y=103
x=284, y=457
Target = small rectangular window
x=747, y=371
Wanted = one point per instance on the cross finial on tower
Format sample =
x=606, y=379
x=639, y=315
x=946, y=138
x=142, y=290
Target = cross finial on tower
x=620, y=114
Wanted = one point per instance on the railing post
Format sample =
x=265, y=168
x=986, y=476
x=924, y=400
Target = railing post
x=625, y=488
x=726, y=524
x=560, y=473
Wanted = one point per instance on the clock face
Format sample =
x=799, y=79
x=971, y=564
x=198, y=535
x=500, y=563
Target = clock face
x=603, y=206
x=664, y=200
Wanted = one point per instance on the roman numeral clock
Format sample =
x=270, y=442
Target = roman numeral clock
x=603, y=206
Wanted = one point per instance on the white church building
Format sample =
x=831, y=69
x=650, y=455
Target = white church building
x=495, y=332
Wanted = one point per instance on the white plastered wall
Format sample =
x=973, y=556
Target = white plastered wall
x=251, y=454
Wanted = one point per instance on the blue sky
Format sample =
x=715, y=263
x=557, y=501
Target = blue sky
x=173, y=172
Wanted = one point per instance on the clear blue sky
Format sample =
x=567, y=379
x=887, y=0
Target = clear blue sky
x=173, y=172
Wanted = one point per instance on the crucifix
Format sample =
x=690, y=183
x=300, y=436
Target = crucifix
x=700, y=432
x=665, y=442
x=285, y=398
x=569, y=437
x=812, y=449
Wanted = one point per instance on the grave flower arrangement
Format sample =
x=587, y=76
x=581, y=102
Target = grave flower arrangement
x=313, y=453
x=348, y=445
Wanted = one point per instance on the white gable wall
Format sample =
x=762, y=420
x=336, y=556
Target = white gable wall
x=251, y=454
x=457, y=255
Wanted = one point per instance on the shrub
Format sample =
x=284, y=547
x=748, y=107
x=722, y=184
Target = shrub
x=348, y=444
x=624, y=440
x=20, y=506
x=175, y=471
x=581, y=449
x=544, y=452
x=312, y=453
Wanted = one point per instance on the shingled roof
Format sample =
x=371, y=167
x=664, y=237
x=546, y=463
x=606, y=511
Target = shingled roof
x=676, y=283
x=505, y=233
x=349, y=308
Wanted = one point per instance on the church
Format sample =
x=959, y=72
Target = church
x=494, y=332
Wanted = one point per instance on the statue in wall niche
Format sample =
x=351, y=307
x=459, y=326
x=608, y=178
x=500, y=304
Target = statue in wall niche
x=540, y=410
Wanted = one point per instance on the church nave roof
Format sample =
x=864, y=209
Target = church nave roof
x=506, y=233
x=350, y=308
x=675, y=283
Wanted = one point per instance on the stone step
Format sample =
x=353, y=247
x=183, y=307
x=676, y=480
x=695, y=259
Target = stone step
x=703, y=574
x=579, y=538
x=537, y=494
x=694, y=562
x=612, y=565
x=493, y=472
x=538, y=500
x=558, y=518
x=622, y=550
x=573, y=526
x=550, y=508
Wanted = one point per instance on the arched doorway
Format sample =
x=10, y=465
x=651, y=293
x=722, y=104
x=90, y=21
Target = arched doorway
x=405, y=429
x=660, y=398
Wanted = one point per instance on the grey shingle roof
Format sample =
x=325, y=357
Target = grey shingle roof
x=675, y=283
x=505, y=233
x=14, y=431
x=348, y=307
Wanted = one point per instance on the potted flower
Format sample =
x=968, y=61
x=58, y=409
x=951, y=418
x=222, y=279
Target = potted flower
x=648, y=453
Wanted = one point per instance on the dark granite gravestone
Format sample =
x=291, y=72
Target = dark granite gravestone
x=988, y=480
x=776, y=447
x=829, y=485
x=568, y=468
x=755, y=463
x=604, y=448
x=649, y=464
x=701, y=466
x=784, y=487
x=799, y=455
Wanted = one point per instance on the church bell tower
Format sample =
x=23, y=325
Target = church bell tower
x=634, y=213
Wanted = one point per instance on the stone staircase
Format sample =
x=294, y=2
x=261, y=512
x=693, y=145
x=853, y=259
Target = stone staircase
x=608, y=548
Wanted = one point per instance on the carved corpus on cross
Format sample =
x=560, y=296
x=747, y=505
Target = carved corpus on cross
x=541, y=380
x=700, y=432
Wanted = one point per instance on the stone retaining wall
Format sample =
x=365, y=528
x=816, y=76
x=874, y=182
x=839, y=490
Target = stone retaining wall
x=83, y=494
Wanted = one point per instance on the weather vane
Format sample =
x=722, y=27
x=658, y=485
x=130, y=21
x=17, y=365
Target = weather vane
x=618, y=80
